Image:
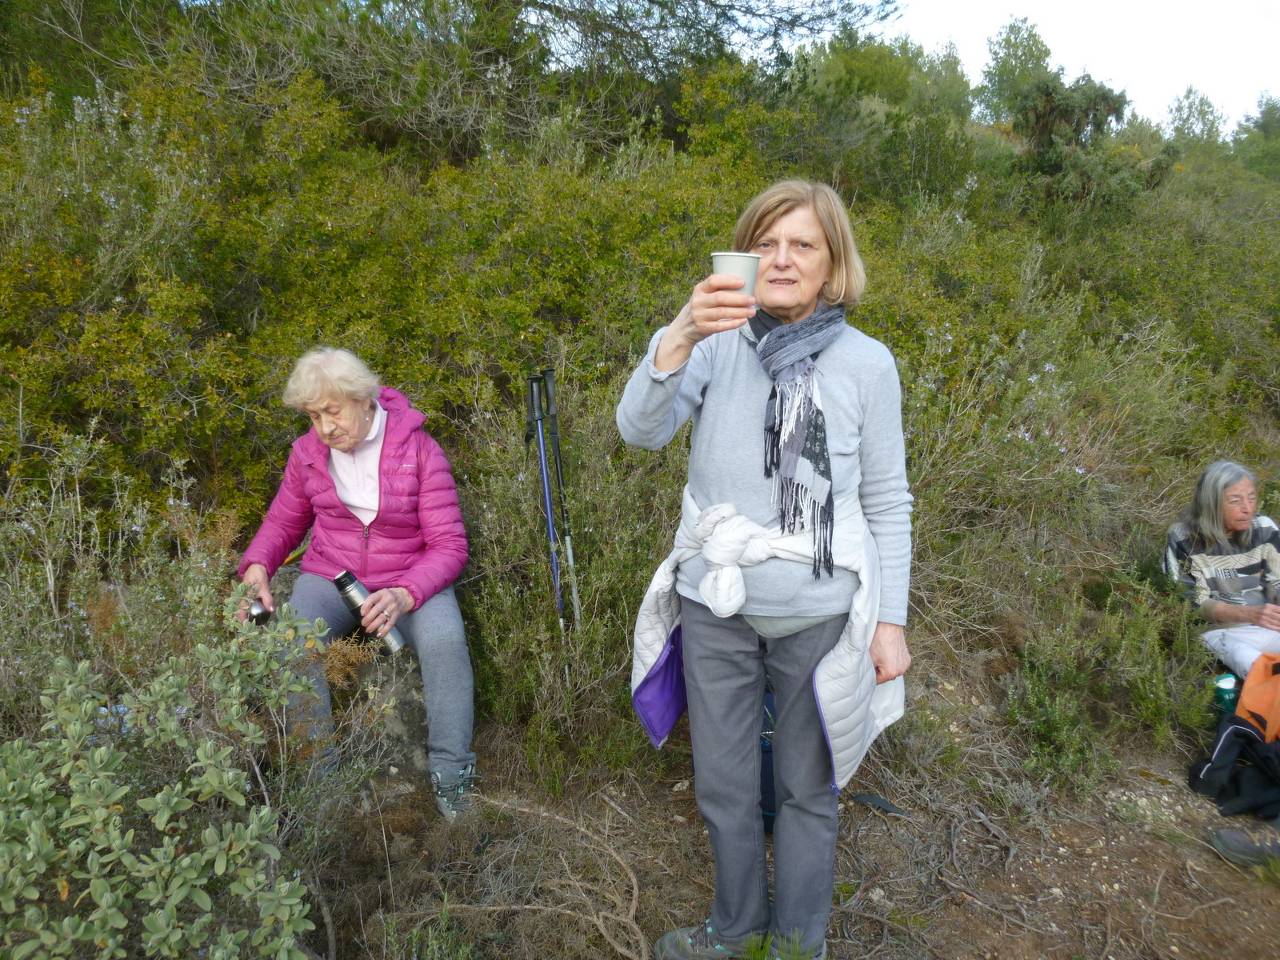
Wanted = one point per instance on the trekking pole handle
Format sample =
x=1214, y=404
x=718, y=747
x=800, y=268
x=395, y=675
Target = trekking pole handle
x=549, y=385
x=535, y=397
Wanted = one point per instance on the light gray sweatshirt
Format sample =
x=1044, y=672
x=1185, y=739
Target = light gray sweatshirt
x=724, y=388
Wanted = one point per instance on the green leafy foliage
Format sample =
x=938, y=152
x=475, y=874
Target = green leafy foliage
x=850, y=66
x=1257, y=141
x=1194, y=118
x=153, y=799
x=1019, y=58
x=124, y=824
x=1094, y=677
x=881, y=120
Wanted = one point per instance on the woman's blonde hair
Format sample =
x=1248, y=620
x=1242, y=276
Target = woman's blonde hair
x=327, y=372
x=848, y=277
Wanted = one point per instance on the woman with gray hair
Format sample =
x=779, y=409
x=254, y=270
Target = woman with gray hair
x=1227, y=559
x=790, y=565
x=376, y=493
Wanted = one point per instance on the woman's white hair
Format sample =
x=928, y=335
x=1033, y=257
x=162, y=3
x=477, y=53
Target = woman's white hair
x=1203, y=518
x=328, y=372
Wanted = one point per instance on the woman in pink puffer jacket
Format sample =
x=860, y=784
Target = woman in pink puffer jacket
x=376, y=492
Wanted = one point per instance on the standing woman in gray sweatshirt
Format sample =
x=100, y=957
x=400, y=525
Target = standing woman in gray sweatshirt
x=791, y=562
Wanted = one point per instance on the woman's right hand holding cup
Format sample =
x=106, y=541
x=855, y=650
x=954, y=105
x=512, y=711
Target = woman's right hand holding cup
x=717, y=304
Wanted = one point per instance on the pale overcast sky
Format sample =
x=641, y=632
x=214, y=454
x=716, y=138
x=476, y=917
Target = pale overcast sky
x=1229, y=50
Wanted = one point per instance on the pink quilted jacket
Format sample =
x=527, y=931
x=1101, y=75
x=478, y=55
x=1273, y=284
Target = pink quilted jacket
x=416, y=541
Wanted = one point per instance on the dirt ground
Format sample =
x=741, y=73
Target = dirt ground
x=1123, y=873
x=1130, y=875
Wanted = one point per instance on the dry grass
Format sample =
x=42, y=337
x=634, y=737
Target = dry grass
x=344, y=658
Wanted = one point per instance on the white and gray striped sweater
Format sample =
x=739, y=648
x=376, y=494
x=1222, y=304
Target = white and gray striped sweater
x=1245, y=574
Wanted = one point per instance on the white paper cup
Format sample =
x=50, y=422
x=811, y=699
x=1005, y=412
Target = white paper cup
x=744, y=265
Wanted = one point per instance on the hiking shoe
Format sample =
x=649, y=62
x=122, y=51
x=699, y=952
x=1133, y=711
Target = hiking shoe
x=1249, y=846
x=453, y=793
x=697, y=943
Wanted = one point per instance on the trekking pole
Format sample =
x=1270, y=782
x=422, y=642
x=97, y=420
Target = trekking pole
x=533, y=428
x=566, y=535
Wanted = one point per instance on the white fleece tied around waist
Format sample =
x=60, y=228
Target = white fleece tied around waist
x=854, y=707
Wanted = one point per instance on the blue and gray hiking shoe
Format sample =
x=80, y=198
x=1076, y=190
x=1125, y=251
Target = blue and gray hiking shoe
x=1250, y=846
x=697, y=943
x=453, y=791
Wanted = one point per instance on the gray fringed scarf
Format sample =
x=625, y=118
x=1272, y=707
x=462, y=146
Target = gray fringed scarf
x=795, y=430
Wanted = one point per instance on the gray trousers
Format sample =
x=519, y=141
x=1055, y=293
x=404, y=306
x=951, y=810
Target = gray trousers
x=725, y=665
x=435, y=631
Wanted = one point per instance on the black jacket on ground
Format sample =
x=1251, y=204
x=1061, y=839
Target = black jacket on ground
x=1241, y=773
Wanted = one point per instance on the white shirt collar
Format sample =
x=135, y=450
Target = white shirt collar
x=375, y=428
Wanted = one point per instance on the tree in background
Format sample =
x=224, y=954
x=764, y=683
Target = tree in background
x=71, y=43
x=1053, y=116
x=653, y=35
x=1194, y=119
x=1019, y=58
x=1257, y=139
x=851, y=65
x=1267, y=122
x=940, y=83
x=458, y=77
x=1070, y=145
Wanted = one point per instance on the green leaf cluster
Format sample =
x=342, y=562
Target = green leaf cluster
x=125, y=829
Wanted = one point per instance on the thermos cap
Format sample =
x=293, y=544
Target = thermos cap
x=258, y=613
x=344, y=579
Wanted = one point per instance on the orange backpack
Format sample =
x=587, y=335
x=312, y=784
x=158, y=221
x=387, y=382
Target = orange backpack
x=1259, y=702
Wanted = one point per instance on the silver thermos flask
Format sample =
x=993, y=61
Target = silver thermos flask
x=354, y=594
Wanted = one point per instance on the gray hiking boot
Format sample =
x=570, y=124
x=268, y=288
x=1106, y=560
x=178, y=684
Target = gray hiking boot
x=1250, y=846
x=453, y=791
x=697, y=943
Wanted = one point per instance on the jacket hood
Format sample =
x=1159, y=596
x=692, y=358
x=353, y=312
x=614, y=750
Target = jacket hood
x=402, y=420
x=402, y=417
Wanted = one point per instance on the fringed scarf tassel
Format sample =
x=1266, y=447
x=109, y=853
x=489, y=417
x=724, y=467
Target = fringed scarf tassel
x=795, y=432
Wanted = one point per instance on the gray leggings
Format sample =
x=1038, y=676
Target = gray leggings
x=435, y=631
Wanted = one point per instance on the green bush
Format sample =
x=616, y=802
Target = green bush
x=151, y=801
x=1130, y=673
x=119, y=580
x=127, y=829
x=200, y=253
x=570, y=693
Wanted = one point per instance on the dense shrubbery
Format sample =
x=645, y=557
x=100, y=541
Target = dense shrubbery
x=124, y=824
x=153, y=801
x=1080, y=321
